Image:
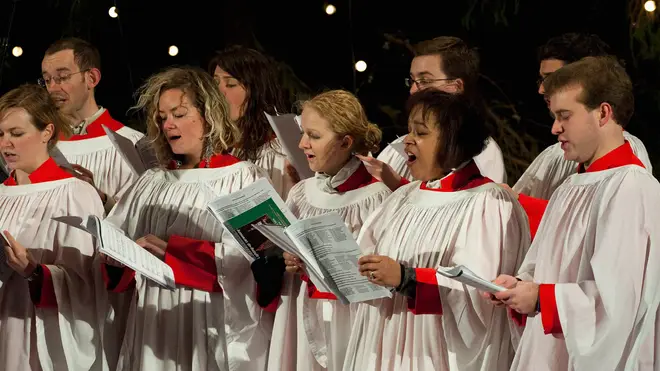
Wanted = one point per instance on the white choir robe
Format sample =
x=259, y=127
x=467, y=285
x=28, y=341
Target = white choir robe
x=273, y=160
x=597, y=258
x=550, y=169
x=489, y=161
x=60, y=328
x=302, y=338
x=211, y=321
x=461, y=219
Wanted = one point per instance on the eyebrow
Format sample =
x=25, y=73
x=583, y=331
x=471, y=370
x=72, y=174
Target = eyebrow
x=423, y=74
x=420, y=123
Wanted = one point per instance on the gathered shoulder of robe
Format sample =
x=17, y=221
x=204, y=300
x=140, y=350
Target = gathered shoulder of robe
x=273, y=160
x=597, y=257
x=303, y=339
x=462, y=219
x=211, y=321
x=550, y=169
x=489, y=161
x=56, y=323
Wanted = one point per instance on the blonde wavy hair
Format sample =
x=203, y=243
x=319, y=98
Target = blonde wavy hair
x=346, y=116
x=220, y=131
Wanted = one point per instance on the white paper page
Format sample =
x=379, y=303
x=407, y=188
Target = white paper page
x=127, y=151
x=337, y=253
x=400, y=149
x=59, y=158
x=298, y=121
x=288, y=132
x=462, y=274
x=147, y=153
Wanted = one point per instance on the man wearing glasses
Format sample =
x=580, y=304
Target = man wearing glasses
x=71, y=70
x=445, y=63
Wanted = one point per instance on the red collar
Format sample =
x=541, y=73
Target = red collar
x=217, y=161
x=466, y=177
x=360, y=178
x=620, y=156
x=48, y=171
x=95, y=130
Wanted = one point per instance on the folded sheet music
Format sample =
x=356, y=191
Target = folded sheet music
x=289, y=133
x=240, y=211
x=330, y=254
x=462, y=274
x=399, y=147
x=140, y=156
x=113, y=243
x=59, y=158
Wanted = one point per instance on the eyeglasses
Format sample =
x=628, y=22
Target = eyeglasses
x=45, y=82
x=421, y=83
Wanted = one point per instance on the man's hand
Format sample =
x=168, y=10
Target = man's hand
x=18, y=257
x=154, y=245
x=381, y=171
x=381, y=270
x=522, y=298
x=504, y=280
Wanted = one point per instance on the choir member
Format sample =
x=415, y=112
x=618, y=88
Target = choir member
x=448, y=64
x=334, y=127
x=589, y=283
x=211, y=320
x=71, y=70
x=452, y=216
x=550, y=168
x=249, y=80
x=49, y=316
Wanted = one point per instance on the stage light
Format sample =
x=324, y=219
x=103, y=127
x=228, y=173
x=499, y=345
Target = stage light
x=330, y=9
x=649, y=6
x=113, y=12
x=173, y=50
x=361, y=66
x=17, y=51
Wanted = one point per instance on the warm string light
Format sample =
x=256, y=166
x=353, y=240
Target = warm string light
x=17, y=51
x=113, y=12
x=360, y=66
x=330, y=9
x=173, y=51
x=649, y=6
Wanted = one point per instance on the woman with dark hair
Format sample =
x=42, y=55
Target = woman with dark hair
x=452, y=216
x=249, y=81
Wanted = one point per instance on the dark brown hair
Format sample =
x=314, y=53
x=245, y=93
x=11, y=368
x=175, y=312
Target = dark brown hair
x=258, y=74
x=571, y=47
x=42, y=110
x=458, y=60
x=85, y=54
x=602, y=79
x=460, y=121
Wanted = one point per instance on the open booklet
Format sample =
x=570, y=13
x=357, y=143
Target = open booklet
x=240, y=211
x=330, y=254
x=113, y=243
x=288, y=131
x=462, y=274
x=139, y=156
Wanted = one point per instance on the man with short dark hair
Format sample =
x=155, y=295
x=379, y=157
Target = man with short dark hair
x=71, y=70
x=549, y=169
x=590, y=282
x=445, y=63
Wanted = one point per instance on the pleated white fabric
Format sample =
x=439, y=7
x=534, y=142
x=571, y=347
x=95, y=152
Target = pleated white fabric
x=483, y=228
x=302, y=338
x=599, y=242
x=112, y=175
x=489, y=161
x=549, y=169
x=273, y=160
x=189, y=329
x=69, y=337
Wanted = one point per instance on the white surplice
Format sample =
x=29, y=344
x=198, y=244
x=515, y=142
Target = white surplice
x=273, y=160
x=302, y=338
x=489, y=161
x=483, y=228
x=599, y=243
x=190, y=329
x=550, y=169
x=66, y=337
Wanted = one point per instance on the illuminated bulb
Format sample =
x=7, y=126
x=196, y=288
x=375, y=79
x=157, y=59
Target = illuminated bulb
x=173, y=50
x=330, y=9
x=17, y=51
x=649, y=6
x=113, y=12
x=361, y=66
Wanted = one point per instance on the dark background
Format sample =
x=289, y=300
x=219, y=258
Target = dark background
x=316, y=50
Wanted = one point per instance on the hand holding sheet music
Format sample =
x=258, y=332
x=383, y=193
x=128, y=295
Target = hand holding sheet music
x=462, y=274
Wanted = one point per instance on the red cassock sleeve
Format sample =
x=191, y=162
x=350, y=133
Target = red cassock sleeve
x=315, y=293
x=518, y=318
x=534, y=208
x=193, y=263
x=42, y=292
x=272, y=307
x=118, y=279
x=427, y=293
x=403, y=182
x=549, y=313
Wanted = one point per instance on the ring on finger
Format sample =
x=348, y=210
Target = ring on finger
x=371, y=275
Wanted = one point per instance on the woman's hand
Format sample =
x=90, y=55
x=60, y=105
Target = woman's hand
x=293, y=263
x=18, y=257
x=381, y=171
x=504, y=280
x=291, y=172
x=154, y=245
x=381, y=270
x=110, y=261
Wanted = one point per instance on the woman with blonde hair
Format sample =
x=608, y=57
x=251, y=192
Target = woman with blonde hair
x=49, y=318
x=210, y=321
x=335, y=127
